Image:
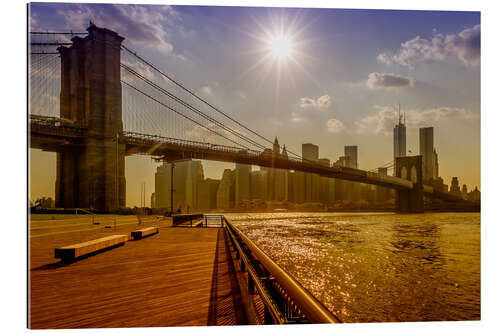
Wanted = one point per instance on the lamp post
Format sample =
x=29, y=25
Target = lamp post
x=172, y=189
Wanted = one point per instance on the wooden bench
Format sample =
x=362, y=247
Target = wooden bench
x=74, y=251
x=138, y=234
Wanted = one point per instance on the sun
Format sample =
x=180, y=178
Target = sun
x=280, y=47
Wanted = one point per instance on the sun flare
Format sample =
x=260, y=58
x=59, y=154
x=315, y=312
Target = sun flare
x=280, y=47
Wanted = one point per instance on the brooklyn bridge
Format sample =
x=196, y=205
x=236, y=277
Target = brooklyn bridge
x=94, y=101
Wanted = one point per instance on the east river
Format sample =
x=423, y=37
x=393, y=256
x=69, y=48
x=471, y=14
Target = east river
x=378, y=267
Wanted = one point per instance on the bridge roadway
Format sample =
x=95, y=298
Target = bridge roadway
x=179, y=277
x=54, y=134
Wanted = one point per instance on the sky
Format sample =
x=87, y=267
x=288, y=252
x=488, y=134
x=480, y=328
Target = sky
x=336, y=83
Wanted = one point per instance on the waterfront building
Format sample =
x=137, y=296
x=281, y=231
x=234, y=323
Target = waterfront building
x=399, y=138
x=426, y=144
x=186, y=175
x=310, y=152
x=242, y=182
x=464, y=192
x=382, y=194
x=225, y=191
x=474, y=195
x=455, y=187
x=258, y=184
x=207, y=194
x=352, y=189
x=351, y=156
x=435, y=171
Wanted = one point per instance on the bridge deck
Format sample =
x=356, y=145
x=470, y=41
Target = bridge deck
x=179, y=277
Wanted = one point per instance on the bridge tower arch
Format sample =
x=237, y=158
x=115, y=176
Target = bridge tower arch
x=411, y=200
x=93, y=173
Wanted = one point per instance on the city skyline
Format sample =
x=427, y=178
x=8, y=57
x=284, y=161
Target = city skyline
x=429, y=87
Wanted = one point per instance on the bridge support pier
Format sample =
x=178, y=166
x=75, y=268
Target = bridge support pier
x=410, y=201
x=92, y=174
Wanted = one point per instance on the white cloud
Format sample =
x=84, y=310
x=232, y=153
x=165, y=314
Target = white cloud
x=466, y=46
x=322, y=102
x=384, y=119
x=297, y=117
x=142, y=26
x=335, y=126
x=242, y=95
x=206, y=90
x=388, y=81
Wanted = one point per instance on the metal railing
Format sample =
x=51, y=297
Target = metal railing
x=285, y=300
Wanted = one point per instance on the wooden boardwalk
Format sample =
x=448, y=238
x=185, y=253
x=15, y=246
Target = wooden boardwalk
x=179, y=277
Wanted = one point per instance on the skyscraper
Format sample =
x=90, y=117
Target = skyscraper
x=351, y=154
x=399, y=138
x=242, y=182
x=427, y=152
x=310, y=152
x=186, y=175
x=455, y=186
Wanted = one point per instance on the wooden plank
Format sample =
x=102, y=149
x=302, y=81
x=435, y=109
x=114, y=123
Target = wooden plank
x=77, y=250
x=138, y=234
x=181, y=277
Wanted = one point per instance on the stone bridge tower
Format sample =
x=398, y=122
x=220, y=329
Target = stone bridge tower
x=410, y=201
x=91, y=175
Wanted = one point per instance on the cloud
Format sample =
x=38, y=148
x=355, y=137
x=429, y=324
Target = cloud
x=322, y=102
x=466, y=46
x=207, y=90
x=242, y=95
x=335, y=126
x=384, y=119
x=297, y=117
x=388, y=81
x=143, y=26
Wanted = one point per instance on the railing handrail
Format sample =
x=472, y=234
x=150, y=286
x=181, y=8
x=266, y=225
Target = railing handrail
x=311, y=307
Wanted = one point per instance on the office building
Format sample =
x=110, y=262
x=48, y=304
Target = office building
x=186, y=175
x=351, y=156
x=455, y=186
x=242, y=182
x=225, y=191
x=399, y=138
x=310, y=152
x=207, y=194
x=427, y=152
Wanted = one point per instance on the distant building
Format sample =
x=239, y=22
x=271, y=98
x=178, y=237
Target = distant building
x=186, y=175
x=455, y=187
x=382, y=194
x=428, y=153
x=207, y=194
x=258, y=184
x=351, y=156
x=310, y=152
x=225, y=191
x=242, y=182
x=435, y=171
x=464, y=192
x=399, y=138
x=352, y=190
x=474, y=195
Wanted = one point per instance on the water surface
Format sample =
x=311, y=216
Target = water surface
x=378, y=267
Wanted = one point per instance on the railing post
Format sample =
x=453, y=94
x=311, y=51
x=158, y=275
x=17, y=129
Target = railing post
x=251, y=285
x=268, y=319
x=242, y=265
